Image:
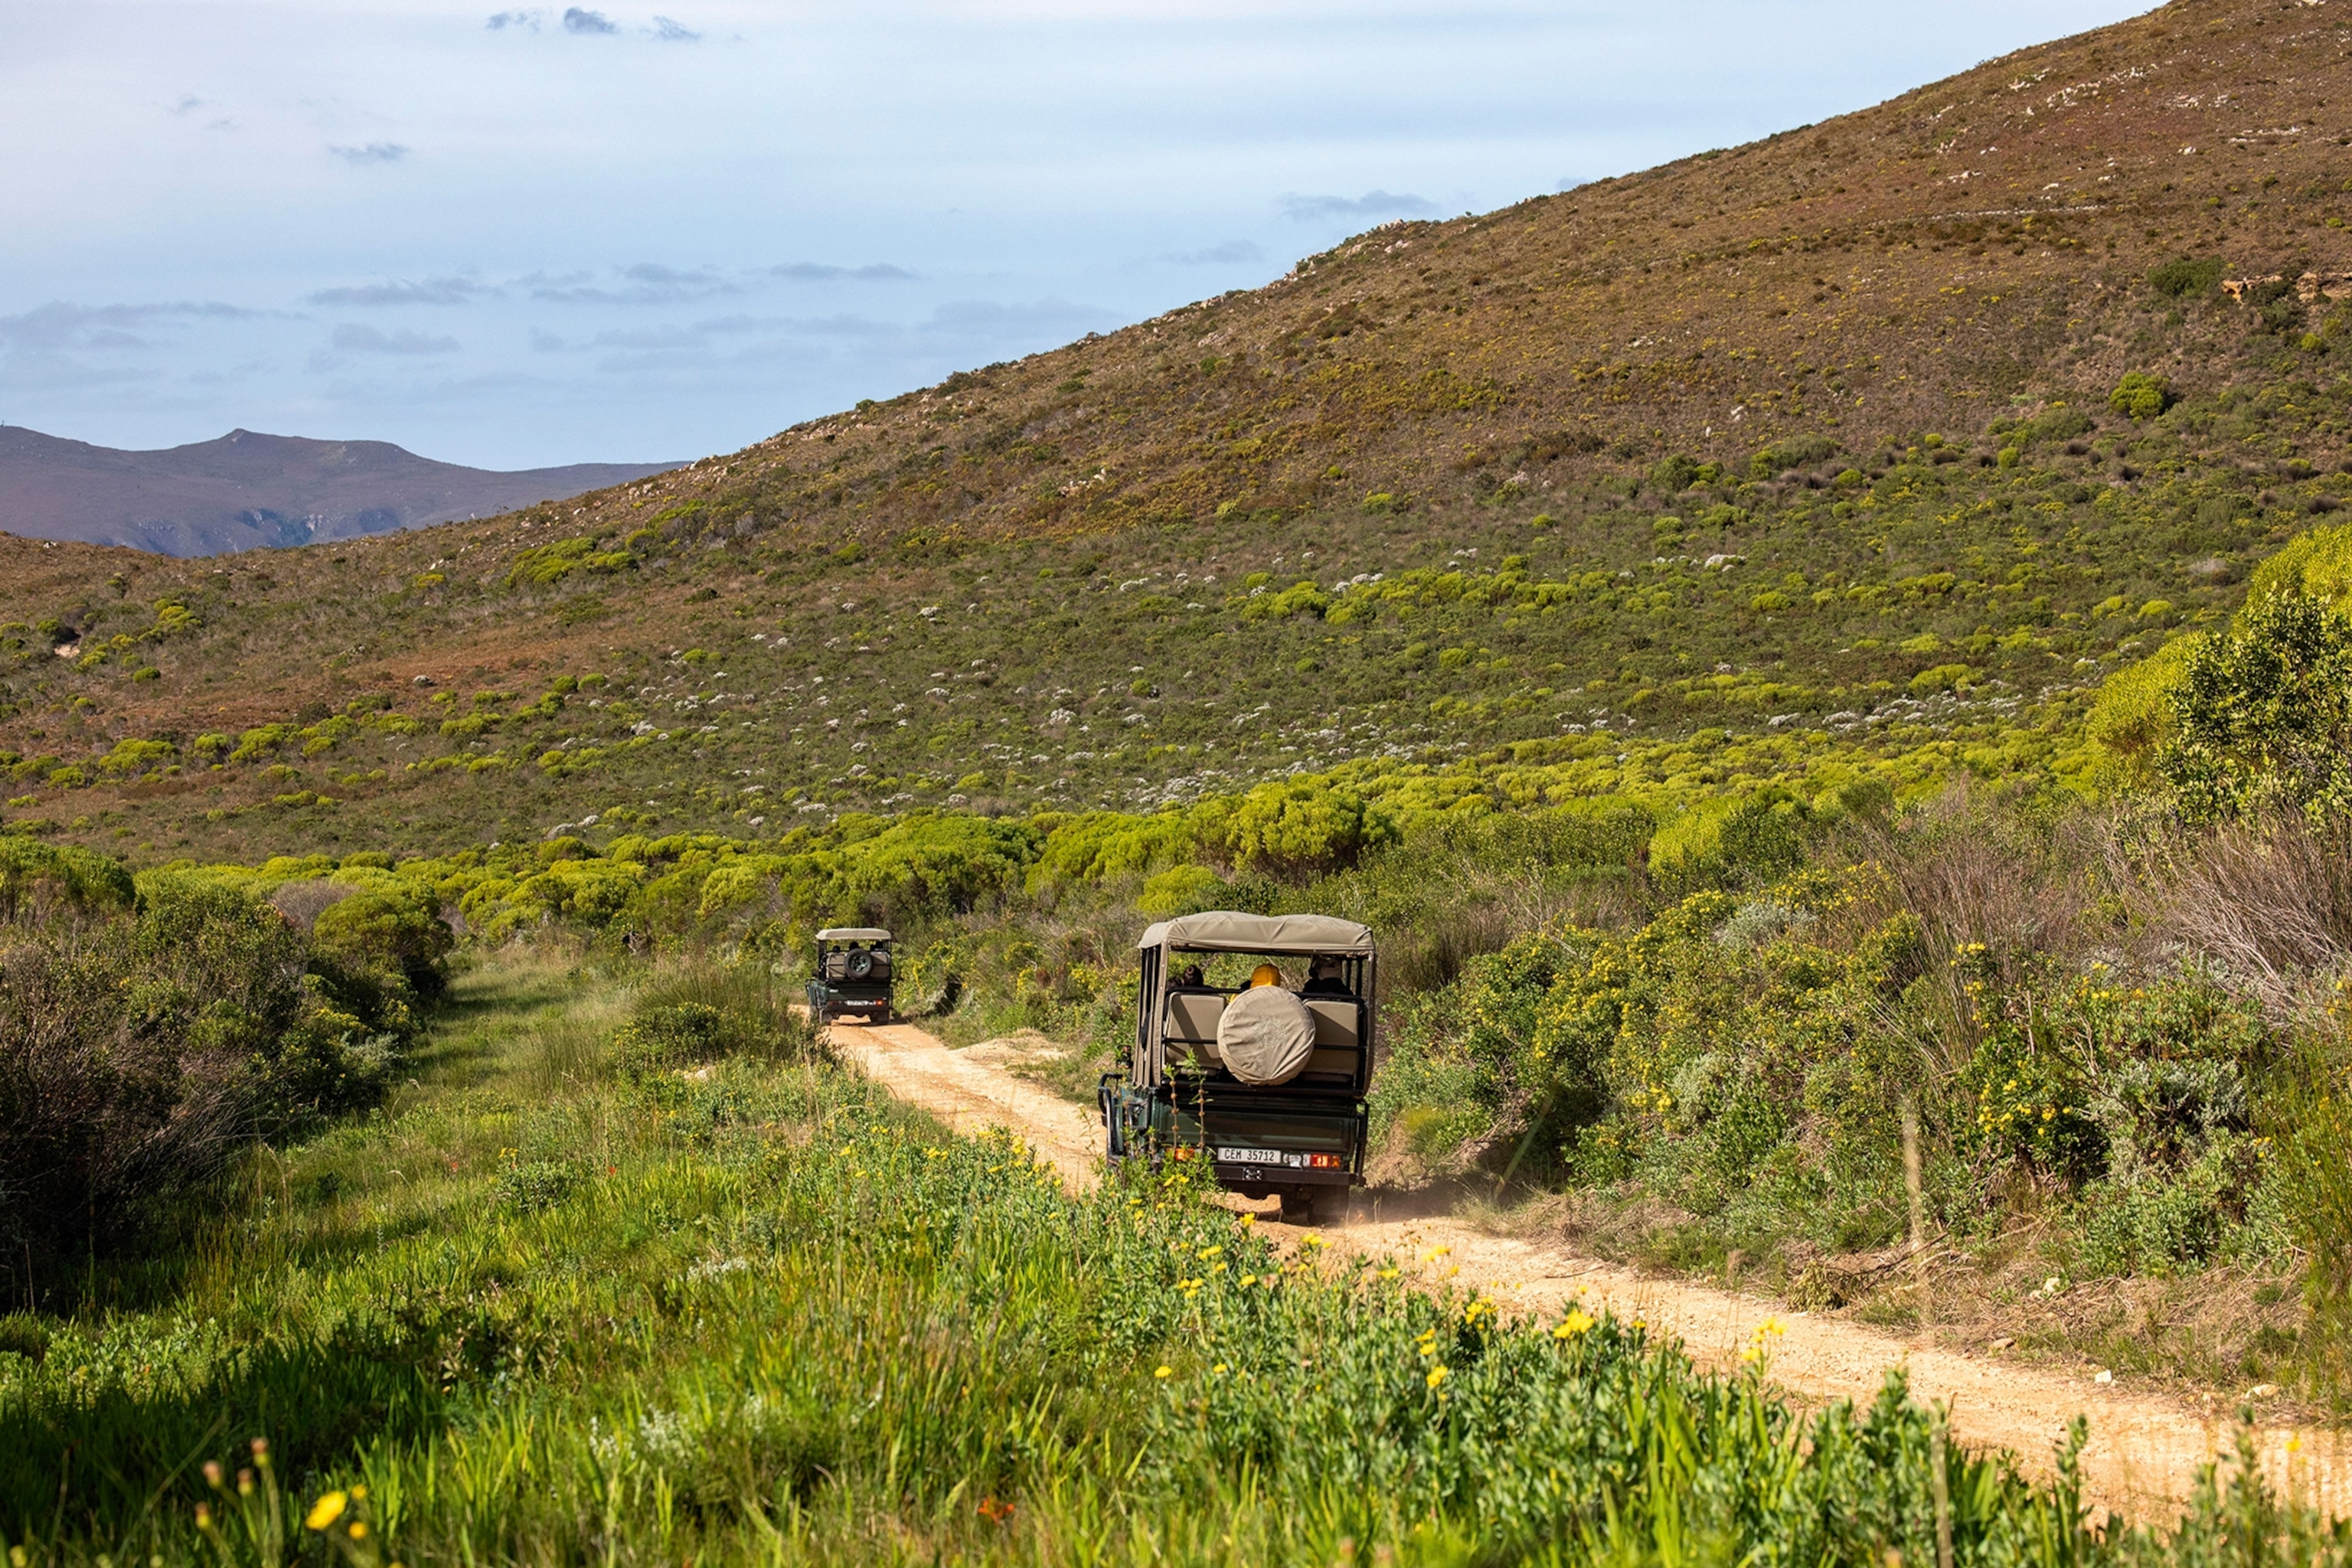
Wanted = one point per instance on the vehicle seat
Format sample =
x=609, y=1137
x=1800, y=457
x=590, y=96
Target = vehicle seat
x=1338, y=1042
x=1191, y=1027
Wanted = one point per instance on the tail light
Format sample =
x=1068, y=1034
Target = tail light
x=1183, y=1151
x=1324, y=1161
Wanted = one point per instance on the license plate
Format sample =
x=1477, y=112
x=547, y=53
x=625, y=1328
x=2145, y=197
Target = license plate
x=1254, y=1156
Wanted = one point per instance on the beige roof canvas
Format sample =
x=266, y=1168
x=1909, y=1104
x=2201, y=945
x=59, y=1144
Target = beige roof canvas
x=1223, y=930
x=853, y=934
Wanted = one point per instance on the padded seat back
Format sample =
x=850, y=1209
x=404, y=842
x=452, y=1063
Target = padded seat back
x=1339, y=1041
x=1189, y=1028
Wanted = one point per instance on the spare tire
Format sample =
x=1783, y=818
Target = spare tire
x=1266, y=1035
x=861, y=964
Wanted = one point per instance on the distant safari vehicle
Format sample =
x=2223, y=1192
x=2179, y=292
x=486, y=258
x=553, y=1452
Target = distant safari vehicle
x=852, y=975
x=1230, y=1066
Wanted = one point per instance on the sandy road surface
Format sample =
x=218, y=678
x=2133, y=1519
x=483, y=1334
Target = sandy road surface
x=2143, y=1455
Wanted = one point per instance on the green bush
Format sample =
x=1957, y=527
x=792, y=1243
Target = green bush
x=659, y=1037
x=1674, y=473
x=1795, y=452
x=148, y=1035
x=2140, y=395
x=44, y=882
x=390, y=928
x=2261, y=715
x=1181, y=890
x=530, y=1186
x=1941, y=678
x=2186, y=279
x=2317, y=562
x=1731, y=840
x=700, y=1012
x=1300, y=827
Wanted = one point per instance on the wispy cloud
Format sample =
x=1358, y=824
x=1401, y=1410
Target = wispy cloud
x=373, y=153
x=647, y=283
x=61, y=323
x=405, y=291
x=670, y=32
x=190, y=105
x=1231, y=252
x=577, y=20
x=502, y=20
x=1372, y=204
x=360, y=340
x=819, y=272
x=63, y=345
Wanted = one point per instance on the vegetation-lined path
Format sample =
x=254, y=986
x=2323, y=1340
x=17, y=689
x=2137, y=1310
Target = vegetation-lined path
x=2143, y=1458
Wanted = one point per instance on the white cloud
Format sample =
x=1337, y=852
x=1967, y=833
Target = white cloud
x=360, y=340
x=1371, y=205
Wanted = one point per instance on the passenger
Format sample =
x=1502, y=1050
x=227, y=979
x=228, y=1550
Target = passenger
x=1324, y=979
x=1190, y=975
x=1265, y=975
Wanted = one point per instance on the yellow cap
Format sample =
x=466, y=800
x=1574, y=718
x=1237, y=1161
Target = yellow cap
x=1265, y=975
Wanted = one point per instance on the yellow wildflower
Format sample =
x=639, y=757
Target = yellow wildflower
x=325, y=1510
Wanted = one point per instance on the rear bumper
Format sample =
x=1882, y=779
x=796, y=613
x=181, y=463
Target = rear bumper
x=855, y=999
x=1246, y=1177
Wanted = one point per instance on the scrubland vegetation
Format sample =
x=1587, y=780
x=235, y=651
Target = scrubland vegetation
x=542, y=1307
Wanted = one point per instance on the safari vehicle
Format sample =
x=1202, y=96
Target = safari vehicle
x=851, y=976
x=1264, y=1082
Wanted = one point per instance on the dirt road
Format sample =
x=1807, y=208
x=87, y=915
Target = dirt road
x=2143, y=1455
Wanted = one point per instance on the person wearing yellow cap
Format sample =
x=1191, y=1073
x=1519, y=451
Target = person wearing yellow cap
x=1265, y=975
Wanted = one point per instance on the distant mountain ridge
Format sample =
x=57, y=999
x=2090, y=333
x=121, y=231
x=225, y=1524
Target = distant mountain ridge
x=252, y=491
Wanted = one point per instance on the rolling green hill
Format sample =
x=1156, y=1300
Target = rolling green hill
x=1805, y=454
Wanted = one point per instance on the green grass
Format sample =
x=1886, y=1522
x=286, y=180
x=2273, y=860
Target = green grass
x=543, y=1316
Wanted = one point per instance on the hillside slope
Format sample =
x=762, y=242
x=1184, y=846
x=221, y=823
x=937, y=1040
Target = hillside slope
x=1793, y=455
x=249, y=491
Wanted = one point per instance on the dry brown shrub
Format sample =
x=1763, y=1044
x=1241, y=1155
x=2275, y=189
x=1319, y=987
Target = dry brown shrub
x=304, y=902
x=1977, y=871
x=2268, y=904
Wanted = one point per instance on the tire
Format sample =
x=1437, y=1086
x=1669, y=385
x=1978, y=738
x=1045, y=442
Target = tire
x=1330, y=1205
x=1297, y=1207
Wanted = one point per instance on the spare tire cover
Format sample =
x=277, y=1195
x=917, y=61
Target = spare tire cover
x=1266, y=1035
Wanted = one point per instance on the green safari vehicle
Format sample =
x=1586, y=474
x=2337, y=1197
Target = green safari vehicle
x=1230, y=1066
x=852, y=975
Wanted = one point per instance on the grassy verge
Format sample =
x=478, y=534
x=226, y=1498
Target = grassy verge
x=756, y=1312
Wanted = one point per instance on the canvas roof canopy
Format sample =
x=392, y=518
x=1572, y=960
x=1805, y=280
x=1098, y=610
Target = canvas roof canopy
x=854, y=933
x=1224, y=931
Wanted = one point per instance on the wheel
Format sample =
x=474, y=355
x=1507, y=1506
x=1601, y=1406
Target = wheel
x=1330, y=1205
x=1297, y=1205
x=878, y=1016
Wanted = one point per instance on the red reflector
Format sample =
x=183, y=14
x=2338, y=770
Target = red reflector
x=1324, y=1161
x=1181, y=1151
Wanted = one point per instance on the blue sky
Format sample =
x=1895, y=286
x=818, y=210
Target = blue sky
x=514, y=235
